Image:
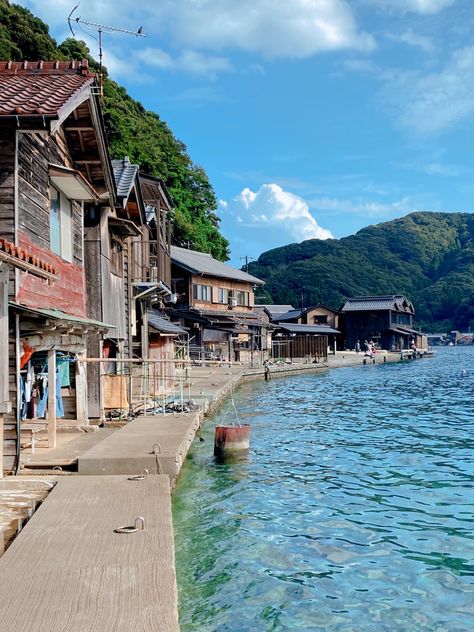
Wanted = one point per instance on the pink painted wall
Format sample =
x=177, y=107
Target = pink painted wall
x=67, y=294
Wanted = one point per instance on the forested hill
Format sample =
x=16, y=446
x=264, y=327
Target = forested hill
x=427, y=256
x=133, y=131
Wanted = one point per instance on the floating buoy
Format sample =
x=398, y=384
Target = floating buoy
x=231, y=441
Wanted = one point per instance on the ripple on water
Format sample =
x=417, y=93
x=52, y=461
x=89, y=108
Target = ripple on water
x=354, y=511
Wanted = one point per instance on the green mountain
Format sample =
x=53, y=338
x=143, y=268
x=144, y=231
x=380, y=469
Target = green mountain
x=133, y=131
x=427, y=256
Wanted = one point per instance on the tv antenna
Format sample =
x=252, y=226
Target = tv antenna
x=100, y=29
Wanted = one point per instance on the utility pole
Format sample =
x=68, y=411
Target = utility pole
x=247, y=260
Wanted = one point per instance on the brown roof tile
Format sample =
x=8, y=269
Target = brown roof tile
x=40, y=88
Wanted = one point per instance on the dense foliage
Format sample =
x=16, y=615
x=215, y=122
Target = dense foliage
x=133, y=131
x=427, y=256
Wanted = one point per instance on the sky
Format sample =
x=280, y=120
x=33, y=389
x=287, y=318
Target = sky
x=312, y=118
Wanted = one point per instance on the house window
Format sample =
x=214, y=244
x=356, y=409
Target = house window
x=320, y=319
x=60, y=225
x=202, y=293
x=116, y=256
x=223, y=295
x=242, y=298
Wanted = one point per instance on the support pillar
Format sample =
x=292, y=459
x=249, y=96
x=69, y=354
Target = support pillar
x=81, y=389
x=5, y=405
x=51, y=398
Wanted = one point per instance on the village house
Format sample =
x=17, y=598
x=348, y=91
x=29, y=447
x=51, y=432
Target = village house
x=302, y=334
x=215, y=303
x=128, y=278
x=54, y=165
x=386, y=320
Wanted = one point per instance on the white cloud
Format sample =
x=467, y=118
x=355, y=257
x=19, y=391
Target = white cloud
x=291, y=28
x=189, y=61
x=273, y=209
x=360, y=207
x=431, y=103
x=424, y=7
x=412, y=38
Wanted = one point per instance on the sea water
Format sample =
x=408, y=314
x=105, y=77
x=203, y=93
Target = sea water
x=354, y=510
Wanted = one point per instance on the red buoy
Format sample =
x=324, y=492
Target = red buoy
x=231, y=441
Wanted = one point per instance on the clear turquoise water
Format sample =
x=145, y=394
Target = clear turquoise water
x=354, y=511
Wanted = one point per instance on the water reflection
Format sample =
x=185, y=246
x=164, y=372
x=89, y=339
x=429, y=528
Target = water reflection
x=354, y=511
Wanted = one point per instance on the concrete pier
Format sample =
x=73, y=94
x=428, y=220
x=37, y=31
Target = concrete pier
x=159, y=444
x=68, y=571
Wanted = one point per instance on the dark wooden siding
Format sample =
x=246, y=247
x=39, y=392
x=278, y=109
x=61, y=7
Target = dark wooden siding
x=7, y=183
x=35, y=153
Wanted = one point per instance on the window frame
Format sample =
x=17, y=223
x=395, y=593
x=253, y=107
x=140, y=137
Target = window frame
x=199, y=290
x=61, y=229
x=223, y=295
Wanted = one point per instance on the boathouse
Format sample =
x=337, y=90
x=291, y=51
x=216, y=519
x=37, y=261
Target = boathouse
x=302, y=334
x=386, y=320
x=215, y=303
x=53, y=165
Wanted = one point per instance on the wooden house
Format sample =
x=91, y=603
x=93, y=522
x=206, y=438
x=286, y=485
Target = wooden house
x=302, y=334
x=215, y=303
x=386, y=320
x=53, y=167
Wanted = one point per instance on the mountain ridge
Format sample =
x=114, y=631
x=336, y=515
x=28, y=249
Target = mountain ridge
x=429, y=256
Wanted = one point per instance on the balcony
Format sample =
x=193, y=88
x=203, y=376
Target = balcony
x=150, y=262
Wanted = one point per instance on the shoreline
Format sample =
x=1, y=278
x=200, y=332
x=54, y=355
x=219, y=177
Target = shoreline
x=160, y=444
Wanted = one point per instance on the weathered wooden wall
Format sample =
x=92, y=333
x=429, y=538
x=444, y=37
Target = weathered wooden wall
x=35, y=153
x=300, y=347
x=7, y=183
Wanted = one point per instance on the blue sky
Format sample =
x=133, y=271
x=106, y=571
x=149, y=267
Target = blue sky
x=313, y=118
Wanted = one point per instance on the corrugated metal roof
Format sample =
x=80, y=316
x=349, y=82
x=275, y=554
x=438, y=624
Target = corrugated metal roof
x=292, y=313
x=294, y=328
x=204, y=263
x=124, y=174
x=157, y=320
x=374, y=303
x=276, y=309
x=56, y=313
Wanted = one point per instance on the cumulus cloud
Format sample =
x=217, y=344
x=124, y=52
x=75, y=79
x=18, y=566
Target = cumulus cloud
x=275, y=210
x=291, y=29
x=424, y=7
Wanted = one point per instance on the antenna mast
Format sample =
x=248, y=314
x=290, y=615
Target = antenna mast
x=100, y=29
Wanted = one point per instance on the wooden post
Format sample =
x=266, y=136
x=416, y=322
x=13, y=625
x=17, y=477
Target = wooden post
x=51, y=398
x=81, y=389
x=5, y=405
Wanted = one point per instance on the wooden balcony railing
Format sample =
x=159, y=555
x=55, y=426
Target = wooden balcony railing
x=150, y=263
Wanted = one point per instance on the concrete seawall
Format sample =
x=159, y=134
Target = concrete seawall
x=83, y=576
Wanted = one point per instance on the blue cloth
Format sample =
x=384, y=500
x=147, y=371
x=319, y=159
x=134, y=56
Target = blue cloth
x=63, y=370
x=41, y=410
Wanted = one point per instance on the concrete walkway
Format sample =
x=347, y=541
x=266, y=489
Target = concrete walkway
x=67, y=571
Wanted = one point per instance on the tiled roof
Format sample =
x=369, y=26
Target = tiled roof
x=124, y=173
x=378, y=303
x=203, y=263
x=41, y=88
x=157, y=320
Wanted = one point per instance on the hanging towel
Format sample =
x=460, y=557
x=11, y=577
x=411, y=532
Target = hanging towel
x=63, y=371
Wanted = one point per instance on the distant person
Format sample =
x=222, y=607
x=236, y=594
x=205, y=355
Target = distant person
x=357, y=347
